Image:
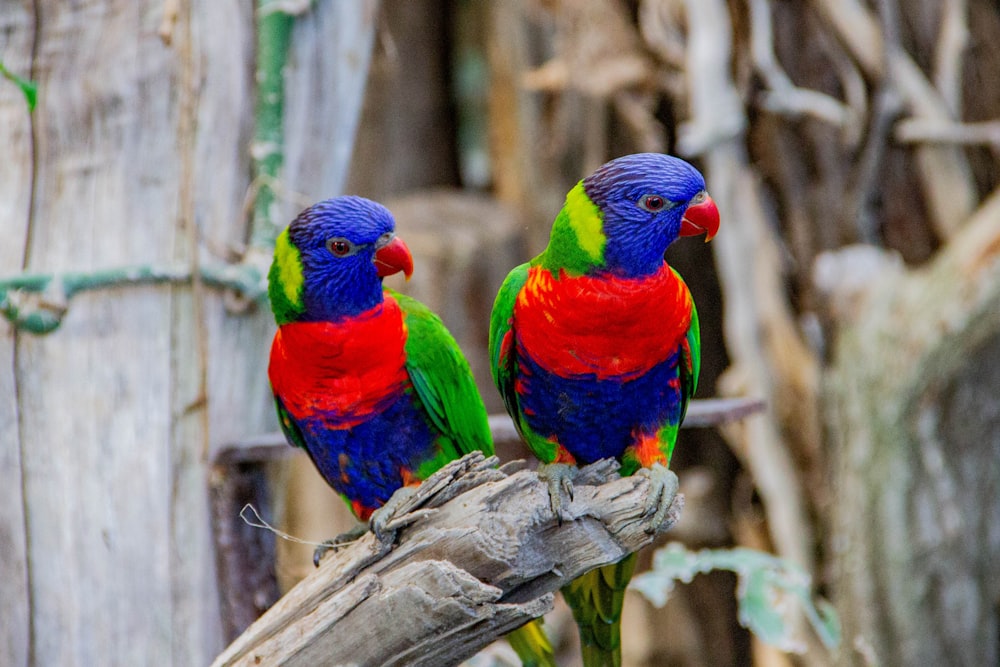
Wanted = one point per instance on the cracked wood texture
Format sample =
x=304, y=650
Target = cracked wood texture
x=915, y=411
x=138, y=152
x=482, y=555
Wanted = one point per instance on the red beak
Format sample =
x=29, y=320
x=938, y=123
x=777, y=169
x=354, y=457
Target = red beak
x=701, y=217
x=394, y=257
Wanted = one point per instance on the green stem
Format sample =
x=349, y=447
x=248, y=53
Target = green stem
x=43, y=312
x=274, y=35
x=28, y=88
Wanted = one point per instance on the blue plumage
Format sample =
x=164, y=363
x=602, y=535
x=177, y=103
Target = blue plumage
x=576, y=410
x=363, y=463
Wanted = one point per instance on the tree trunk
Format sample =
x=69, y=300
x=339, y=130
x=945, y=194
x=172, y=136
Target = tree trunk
x=915, y=418
x=138, y=153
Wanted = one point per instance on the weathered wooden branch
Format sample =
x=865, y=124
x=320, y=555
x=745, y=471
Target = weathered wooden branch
x=245, y=555
x=479, y=552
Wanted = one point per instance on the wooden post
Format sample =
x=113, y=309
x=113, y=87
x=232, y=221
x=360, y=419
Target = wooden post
x=138, y=153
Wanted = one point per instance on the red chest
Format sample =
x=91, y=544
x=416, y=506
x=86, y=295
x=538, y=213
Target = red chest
x=609, y=327
x=341, y=370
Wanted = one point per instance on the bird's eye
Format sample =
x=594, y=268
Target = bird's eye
x=339, y=247
x=652, y=203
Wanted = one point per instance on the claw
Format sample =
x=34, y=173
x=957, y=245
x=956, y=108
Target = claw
x=559, y=478
x=380, y=523
x=382, y=517
x=663, y=488
x=338, y=542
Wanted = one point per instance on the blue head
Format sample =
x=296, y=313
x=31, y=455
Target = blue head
x=622, y=217
x=329, y=262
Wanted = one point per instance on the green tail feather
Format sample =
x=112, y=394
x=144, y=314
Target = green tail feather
x=596, y=599
x=532, y=645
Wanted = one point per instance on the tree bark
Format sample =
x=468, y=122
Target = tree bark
x=483, y=555
x=138, y=153
x=15, y=205
x=915, y=420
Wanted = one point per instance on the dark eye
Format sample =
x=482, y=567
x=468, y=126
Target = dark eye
x=339, y=247
x=652, y=203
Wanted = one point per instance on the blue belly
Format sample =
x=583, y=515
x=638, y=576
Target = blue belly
x=595, y=419
x=364, y=463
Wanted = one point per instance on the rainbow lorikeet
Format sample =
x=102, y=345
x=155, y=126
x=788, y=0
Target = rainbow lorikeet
x=595, y=348
x=366, y=380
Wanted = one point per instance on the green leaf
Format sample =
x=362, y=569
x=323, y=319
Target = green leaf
x=772, y=593
x=28, y=88
x=762, y=610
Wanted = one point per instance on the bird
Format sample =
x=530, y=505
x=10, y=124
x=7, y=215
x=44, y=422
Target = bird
x=366, y=380
x=595, y=349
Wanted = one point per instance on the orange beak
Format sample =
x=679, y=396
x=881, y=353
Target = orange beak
x=394, y=257
x=701, y=217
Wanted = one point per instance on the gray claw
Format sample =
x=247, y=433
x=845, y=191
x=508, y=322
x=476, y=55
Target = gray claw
x=663, y=488
x=382, y=517
x=559, y=478
x=338, y=542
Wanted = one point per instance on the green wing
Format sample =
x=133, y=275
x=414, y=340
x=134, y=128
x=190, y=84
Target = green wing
x=690, y=362
x=443, y=380
x=503, y=360
x=503, y=357
x=288, y=425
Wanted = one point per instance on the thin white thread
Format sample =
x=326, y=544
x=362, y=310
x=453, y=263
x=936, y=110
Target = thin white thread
x=265, y=525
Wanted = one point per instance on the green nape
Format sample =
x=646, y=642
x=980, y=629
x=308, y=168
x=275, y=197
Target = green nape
x=284, y=281
x=576, y=243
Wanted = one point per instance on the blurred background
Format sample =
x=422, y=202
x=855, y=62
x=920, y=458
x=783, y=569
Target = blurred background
x=853, y=149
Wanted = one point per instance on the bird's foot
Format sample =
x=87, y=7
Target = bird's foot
x=382, y=519
x=338, y=542
x=663, y=488
x=559, y=478
x=383, y=523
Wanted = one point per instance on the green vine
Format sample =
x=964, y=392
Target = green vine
x=37, y=302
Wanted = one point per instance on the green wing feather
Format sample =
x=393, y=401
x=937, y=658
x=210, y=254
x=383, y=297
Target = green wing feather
x=503, y=360
x=288, y=425
x=690, y=362
x=443, y=380
x=532, y=645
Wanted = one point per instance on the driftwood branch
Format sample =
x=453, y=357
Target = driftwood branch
x=481, y=554
x=245, y=555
